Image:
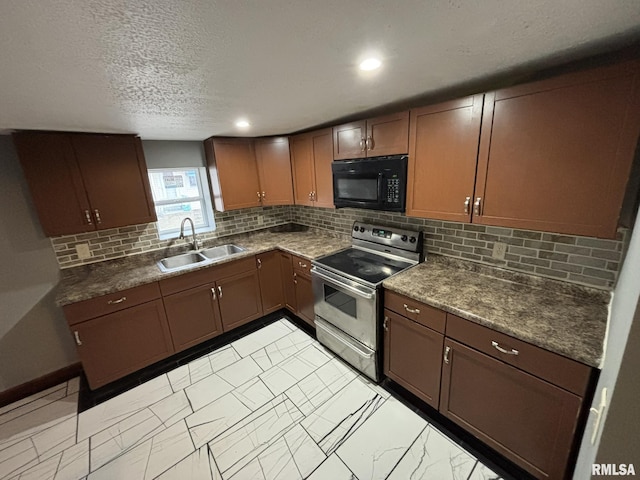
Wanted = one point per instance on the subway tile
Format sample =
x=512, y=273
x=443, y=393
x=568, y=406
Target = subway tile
x=552, y=237
x=587, y=261
x=566, y=267
x=594, y=272
x=561, y=247
x=527, y=234
x=538, y=245
x=499, y=231
x=525, y=252
x=606, y=254
x=597, y=243
x=560, y=257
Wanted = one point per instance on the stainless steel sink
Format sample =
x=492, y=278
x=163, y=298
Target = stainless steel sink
x=179, y=262
x=208, y=255
x=222, y=251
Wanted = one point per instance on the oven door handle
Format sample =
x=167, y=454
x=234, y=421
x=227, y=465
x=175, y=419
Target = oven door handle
x=366, y=296
x=351, y=345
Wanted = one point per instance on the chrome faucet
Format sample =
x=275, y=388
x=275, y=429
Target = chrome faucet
x=196, y=243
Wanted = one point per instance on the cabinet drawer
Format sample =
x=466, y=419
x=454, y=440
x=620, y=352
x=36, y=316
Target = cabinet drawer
x=416, y=311
x=96, y=307
x=301, y=264
x=561, y=371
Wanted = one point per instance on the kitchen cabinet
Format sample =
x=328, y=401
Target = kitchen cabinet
x=271, y=281
x=530, y=417
x=304, y=298
x=386, y=135
x=85, y=182
x=247, y=172
x=274, y=171
x=311, y=157
x=443, y=151
x=413, y=356
x=555, y=155
x=224, y=297
x=288, y=285
x=107, y=331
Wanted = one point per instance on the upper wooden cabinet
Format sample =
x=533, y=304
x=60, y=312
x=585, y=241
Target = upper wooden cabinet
x=85, y=182
x=248, y=172
x=387, y=135
x=311, y=157
x=274, y=171
x=555, y=155
x=442, y=159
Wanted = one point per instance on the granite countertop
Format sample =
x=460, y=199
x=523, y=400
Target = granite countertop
x=563, y=318
x=93, y=280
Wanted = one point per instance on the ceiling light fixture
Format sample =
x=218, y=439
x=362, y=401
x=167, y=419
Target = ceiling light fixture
x=370, y=64
x=243, y=124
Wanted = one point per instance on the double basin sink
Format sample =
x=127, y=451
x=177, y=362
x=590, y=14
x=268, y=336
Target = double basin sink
x=205, y=256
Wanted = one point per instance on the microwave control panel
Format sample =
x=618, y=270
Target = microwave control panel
x=393, y=190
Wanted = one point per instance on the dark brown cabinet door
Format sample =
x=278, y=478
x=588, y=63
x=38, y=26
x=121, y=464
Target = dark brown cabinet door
x=233, y=172
x=349, y=141
x=526, y=419
x=304, y=298
x=413, y=356
x=287, y=282
x=443, y=152
x=555, y=155
x=193, y=316
x=274, y=169
x=323, y=178
x=115, y=178
x=302, y=167
x=239, y=299
x=120, y=343
x=271, y=285
x=388, y=135
x=55, y=181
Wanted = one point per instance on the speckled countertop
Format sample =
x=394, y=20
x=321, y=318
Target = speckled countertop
x=88, y=281
x=566, y=319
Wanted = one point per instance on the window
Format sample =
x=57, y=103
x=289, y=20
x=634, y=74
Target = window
x=179, y=193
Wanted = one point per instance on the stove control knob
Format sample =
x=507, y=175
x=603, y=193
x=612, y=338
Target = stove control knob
x=413, y=239
x=403, y=238
x=355, y=229
x=361, y=229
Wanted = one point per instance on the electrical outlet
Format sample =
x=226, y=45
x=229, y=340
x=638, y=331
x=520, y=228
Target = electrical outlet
x=260, y=220
x=499, y=250
x=82, y=249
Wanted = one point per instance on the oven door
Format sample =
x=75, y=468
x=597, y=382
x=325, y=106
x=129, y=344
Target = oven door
x=347, y=305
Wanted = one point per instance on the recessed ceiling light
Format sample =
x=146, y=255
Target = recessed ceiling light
x=242, y=124
x=370, y=64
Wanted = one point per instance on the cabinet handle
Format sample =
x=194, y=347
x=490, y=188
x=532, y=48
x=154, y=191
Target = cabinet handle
x=446, y=354
x=467, y=203
x=114, y=302
x=369, y=143
x=259, y=263
x=264, y=195
x=302, y=265
x=476, y=206
x=310, y=195
x=411, y=310
x=97, y=212
x=259, y=196
x=295, y=278
x=513, y=351
x=219, y=291
x=385, y=324
x=363, y=145
x=213, y=293
x=77, y=337
x=87, y=215
x=313, y=196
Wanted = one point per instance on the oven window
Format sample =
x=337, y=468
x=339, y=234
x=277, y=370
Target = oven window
x=357, y=188
x=343, y=302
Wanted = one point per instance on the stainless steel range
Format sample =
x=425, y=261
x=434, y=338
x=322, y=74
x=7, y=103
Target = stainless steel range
x=347, y=291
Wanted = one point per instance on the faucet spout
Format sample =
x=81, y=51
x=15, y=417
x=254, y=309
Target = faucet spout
x=195, y=242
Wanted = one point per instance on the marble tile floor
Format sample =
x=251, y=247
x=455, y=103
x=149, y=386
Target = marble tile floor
x=274, y=404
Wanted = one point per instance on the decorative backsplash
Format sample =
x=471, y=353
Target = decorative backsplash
x=582, y=260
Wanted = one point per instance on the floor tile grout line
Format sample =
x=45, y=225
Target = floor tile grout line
x=345, y=464
x=407, y=451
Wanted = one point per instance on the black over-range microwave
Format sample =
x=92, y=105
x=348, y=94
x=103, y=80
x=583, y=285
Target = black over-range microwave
x=377, y=183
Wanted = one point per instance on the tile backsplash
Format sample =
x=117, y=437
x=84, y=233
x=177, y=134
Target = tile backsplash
x=582, y=260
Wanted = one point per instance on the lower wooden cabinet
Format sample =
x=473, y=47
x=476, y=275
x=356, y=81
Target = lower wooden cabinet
x=239, y=299
x=271, y=281
x=116, y=344
x=413, y=355
x=304, y=298
x=193, y=316
x=528, y=420
x=288, y=285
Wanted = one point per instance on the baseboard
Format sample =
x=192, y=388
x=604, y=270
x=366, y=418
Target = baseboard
x=41, y=383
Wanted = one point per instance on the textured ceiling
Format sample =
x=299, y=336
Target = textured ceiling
x=187, y=69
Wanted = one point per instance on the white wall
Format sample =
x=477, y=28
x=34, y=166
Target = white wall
x=619, y=352
x=34, y=339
